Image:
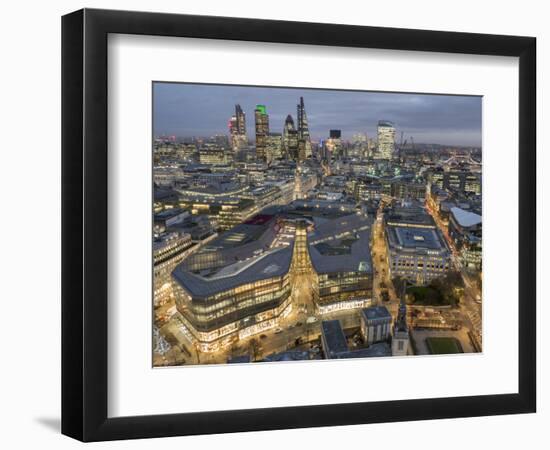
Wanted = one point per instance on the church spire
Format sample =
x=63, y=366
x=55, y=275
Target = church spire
x=401, y=322
x=400, y=338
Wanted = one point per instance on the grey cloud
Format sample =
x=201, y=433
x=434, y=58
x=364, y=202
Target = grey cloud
x=198, y=110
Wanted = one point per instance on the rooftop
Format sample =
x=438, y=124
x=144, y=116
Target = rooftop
x=320, y=208
x=376, y=312
x=165, y=239
x=244, y=253
x=243, y=233
x=374, y=351
x=334, y=338
x=465, y=218
x=292, y=355
x=169, y=213
x=409, y=216
x=416, y=238
x=341, y=245
x=270, y=264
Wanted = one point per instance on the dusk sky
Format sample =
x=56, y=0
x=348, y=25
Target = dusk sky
x=203, y=110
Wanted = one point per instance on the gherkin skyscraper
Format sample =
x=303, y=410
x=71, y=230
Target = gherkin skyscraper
x=290, y=139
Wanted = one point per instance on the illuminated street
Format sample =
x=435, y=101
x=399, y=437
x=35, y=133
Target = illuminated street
x=471, y=309
x=277, y=237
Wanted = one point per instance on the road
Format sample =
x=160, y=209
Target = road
x=381, y=278
x=470, y=306
x=296, y=325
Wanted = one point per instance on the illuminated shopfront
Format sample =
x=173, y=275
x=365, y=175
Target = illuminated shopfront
x=221, y=302
x=218, y=311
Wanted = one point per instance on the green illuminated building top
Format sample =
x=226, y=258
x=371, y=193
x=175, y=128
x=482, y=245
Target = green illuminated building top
x=261, y=108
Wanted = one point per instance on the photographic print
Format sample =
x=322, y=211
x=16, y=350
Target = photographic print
x=300, y=224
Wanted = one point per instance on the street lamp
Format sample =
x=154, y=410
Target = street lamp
x=198, y=352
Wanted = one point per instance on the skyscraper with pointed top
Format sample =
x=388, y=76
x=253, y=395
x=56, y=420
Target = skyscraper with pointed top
x=237, y=129
x=304, y=140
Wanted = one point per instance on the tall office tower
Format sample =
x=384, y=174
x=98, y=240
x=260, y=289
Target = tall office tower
x=274, y=147
x=359, y=147
x=241, y=119
x=386, y=139
x=302, y=150
x=335, y=134
x=333, y=144
x=400, y=339
x=262, y=131
x=371, y=147
x=303, y=128
x=293, y=144
x=290, y=139
x=237, y=130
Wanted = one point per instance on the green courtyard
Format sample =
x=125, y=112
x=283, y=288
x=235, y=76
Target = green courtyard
x=443, y=345
x=425, y=295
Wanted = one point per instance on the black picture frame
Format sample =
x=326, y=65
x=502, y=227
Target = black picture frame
x=84, y=224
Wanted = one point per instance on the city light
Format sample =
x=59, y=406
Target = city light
x=284, y=245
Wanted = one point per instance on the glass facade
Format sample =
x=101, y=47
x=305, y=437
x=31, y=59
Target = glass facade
x=169, y=250
x=217, y=319
x=386, y=139
x=262, y=131
x=227, y=313
x=347, y=289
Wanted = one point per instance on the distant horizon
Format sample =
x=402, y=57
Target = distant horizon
x=185, y=138
x=203, y=110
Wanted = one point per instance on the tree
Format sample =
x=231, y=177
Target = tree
x=450, y=288
x=454, y=279
x=399, y=284
x=234, y=349
x=254, y=347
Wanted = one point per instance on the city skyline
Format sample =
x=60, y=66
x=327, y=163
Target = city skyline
x=187, y=110
x=269, y=246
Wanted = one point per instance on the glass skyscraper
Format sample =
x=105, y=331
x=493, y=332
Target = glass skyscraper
x=303, y=131
x=262, y=131
x=386, y=139
x=237, y=130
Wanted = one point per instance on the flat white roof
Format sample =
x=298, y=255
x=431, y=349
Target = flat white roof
x=465, y=218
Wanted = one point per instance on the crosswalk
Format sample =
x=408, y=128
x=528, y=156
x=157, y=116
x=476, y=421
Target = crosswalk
x=476, y=320
x=160, y=344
